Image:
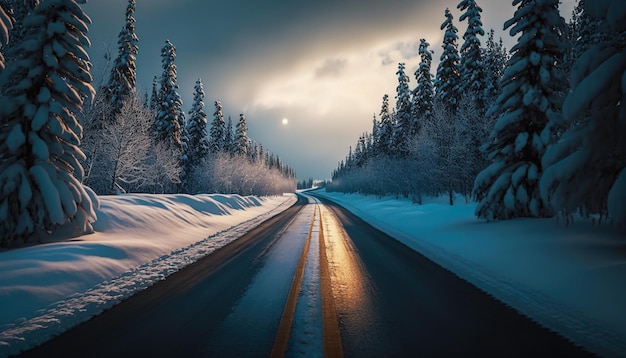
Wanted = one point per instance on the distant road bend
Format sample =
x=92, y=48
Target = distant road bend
x=313, y=280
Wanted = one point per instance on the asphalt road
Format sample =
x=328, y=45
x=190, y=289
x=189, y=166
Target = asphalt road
x=408, y=306
x=385, y=299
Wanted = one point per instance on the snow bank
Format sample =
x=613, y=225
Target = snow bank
x=139, y=240
x=567, y=277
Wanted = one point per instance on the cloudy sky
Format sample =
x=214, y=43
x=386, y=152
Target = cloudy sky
x=324, y=65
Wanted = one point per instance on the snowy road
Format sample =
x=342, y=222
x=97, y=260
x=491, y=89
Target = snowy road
x=312, y=281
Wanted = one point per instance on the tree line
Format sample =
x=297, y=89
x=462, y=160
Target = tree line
x=65, y=139
x=534, y=133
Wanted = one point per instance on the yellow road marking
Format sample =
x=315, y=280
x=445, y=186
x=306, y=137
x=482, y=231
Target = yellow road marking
x=286, y=320
x=330, y=326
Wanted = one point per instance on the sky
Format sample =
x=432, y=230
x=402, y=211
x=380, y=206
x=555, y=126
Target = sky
x=323, y=65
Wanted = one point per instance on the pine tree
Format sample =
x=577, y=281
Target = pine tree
x=471, y=67
x=218, y=130
x=495, y=58
x=199, y=146
x=589, y=29
x=17, y=11
x=586, y=168
x=186, y=167
x=531, y=96
x=404, y=118
x=123, y=78
x=242, y=143
x=375, y=136
x=229, y=137
x=40, y=173
x=386, y=128
x=6, y=23
x=170, y=117
x=447, y=82
x=154, y=97
x=424, y=92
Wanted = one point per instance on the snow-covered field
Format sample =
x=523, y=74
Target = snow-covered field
x=139, y=240
x=568, y=277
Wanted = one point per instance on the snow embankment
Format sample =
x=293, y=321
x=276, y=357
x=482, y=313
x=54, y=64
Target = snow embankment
x=569, y=278
x=139, y=240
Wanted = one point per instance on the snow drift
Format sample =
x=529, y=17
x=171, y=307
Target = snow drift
x=139, y=240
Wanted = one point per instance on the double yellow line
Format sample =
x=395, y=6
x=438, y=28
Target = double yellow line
x=330, y=328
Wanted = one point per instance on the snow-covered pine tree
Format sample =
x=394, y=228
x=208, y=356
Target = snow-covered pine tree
x=386, y=128
x=170, y=117
x=253, y=152
x=242, y=142
x=404, y=119
x=198, y=146
x=447, y=81
x=17, y=10
x=471, y=66
x=375, y=136
x=424, y=93
x=123, y=77
x=40, y=173
x=218, y=130
x=495, y=58
x=589, y=29
x=586, y=168
x=261, y=154
x=154, y=96
x=6, y=23
x=532, y=90
x=185, y=165
x=229, y=137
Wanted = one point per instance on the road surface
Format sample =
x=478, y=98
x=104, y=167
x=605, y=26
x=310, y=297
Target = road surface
x=312, y=281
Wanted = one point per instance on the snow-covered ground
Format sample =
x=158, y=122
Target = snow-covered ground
x=139, y=240
x=568, y=277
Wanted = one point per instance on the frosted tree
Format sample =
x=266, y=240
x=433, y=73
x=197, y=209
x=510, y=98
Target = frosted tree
x=218, y=130
x=404, y=118
x=128, y=142
x=170, y=117
x=40, y=173
x=242, y=142
x=123, y=78
x=164, y=170
x=447, y=82
x=424, y=93
x=198, y=146
x=386, y=128
x=451, y=144
x=586, y=168
x=471, y=66
x=531, y=96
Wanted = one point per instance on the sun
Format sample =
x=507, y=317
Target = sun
x=285, y=121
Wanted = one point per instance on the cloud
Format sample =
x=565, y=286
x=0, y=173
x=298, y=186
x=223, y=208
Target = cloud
x=325, y=65
x=331, y=68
